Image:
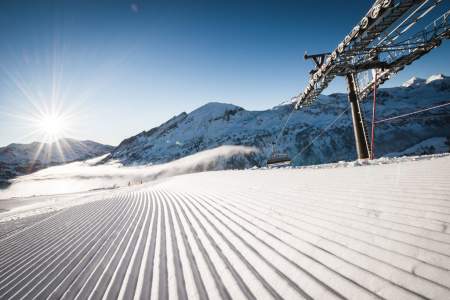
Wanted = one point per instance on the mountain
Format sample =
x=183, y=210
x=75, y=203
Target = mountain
x=413, y=81
x=216, y=124
x=19, y=159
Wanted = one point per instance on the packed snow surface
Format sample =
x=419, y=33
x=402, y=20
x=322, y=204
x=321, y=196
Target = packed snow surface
x=342, y=231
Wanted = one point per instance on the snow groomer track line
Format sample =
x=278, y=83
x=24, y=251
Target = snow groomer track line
x=236, y=238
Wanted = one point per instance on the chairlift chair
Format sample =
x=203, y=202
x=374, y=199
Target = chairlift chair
x=277, y=159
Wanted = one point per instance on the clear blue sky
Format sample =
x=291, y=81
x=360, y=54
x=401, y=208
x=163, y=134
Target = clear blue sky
x=127, y=66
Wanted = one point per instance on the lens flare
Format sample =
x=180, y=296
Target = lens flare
x=53, y=126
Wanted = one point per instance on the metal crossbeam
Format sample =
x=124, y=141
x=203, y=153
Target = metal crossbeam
x=383, y=43
x=424, y=41
x=377, y=42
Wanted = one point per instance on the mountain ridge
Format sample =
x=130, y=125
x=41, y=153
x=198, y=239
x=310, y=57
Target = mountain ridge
x=215, y=124
x=20, y=158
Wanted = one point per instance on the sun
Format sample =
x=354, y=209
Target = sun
x=53, y=126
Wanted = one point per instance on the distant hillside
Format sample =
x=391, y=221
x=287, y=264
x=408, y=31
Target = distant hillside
x=19, y=159
x=216, y=124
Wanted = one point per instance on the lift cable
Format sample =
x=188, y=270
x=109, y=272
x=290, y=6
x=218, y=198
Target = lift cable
x=376, y=122
x=321, y=133
x=431, y=116
x=412, y=113
x=284, y=126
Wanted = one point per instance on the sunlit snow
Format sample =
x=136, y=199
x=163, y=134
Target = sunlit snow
x=350, y=230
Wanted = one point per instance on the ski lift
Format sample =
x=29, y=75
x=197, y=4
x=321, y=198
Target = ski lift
x=277, y=159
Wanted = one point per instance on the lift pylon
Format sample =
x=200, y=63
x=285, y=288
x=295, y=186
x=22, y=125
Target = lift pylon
x=359, y=128
x=385, y=40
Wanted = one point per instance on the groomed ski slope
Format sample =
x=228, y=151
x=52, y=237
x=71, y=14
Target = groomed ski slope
x=379, y=231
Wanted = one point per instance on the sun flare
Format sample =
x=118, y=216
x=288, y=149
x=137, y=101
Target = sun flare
x=53, y=126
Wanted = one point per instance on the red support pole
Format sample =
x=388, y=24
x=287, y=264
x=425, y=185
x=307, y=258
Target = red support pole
x=372, y=141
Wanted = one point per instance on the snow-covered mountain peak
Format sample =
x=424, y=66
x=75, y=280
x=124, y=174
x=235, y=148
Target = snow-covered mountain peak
x=217, y=124
x=18, y=159
x=213, y=110
x=435, y=77
x=416, y=81
x=413, y=81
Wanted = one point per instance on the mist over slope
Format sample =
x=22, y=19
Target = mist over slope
x=19, y=159
x=89, y=175
x=216, y=124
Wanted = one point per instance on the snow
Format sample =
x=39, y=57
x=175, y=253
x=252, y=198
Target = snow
x=435, y=77
x=88, y=175
x=213, y=110
x=354, y=230
x=187, y=229
x=63, y=150
x=216, y=124
x=435, y=144
x=20, y=159
x=413, y=81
